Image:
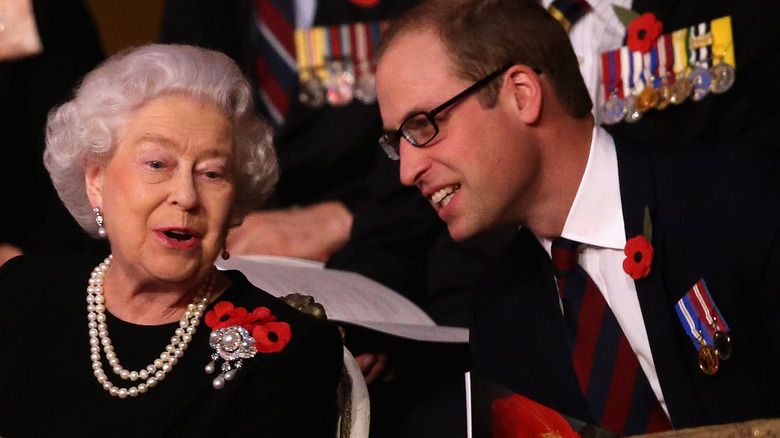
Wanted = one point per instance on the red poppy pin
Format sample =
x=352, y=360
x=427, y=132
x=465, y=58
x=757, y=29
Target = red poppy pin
x=238, y=334
x=639, y=251
x=642, y=30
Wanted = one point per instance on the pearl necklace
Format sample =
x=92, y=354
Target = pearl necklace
x=155, y=371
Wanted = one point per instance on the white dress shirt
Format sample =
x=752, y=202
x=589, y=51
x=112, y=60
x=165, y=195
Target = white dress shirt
x=596, y=220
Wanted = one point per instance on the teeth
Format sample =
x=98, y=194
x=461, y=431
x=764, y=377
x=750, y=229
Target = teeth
x=443, y=196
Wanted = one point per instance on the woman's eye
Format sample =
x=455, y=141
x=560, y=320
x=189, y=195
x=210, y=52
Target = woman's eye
x=156, y=164
x=212, y=174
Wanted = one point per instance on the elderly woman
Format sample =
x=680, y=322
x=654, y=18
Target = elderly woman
x=159, y=153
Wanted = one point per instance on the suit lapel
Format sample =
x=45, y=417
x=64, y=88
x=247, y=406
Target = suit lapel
x=519, y=338
x=657, y=303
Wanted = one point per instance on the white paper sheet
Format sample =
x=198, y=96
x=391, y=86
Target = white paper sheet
x=346, y=296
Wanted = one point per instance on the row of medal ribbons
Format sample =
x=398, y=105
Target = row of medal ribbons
x=685, y=65
x=336, y=63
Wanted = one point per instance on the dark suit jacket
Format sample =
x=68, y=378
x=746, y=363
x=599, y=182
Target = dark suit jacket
x=715, y=216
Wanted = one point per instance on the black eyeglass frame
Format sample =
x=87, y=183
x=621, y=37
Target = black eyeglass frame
x=390, y=142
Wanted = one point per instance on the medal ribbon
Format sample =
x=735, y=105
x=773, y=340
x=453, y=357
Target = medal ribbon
x=650, y=68
x=679, y=41
x=637, y=71
x=697, y=312
x=333, y=44
x=669, y=60
x=610, y=65
x=319, y=51
x=625, y=70
x=358, y=54
x=699, y=43
x=660, y=49
x=363, y=47
x=375, y=30
x=722, y=43
x=304, y=56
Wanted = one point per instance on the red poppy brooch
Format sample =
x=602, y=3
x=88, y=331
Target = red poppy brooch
x=238, y=334
x=642, y=31
x=639, y=251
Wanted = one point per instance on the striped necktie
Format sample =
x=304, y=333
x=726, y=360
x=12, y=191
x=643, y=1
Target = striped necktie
x=275, y=56
x=615, y=387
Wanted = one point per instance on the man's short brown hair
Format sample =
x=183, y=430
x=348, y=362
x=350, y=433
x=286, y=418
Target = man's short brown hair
x=483, y=35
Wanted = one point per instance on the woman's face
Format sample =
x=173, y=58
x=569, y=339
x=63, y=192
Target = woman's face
x=166, y=194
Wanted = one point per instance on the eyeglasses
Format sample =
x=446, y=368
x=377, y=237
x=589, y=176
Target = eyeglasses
x=421, y=128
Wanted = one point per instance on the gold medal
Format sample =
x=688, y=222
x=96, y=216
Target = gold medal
x=709, y=362
x=681, y=89
x=664, y=93
x=646, y=99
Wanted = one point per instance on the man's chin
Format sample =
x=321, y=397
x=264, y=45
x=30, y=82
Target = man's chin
x=460, y=232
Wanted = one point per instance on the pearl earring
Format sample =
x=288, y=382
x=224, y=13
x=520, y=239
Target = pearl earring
x=225, y=254
x=99, y=221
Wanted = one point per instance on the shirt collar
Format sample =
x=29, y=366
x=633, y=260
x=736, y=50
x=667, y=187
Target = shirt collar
x=596, y=215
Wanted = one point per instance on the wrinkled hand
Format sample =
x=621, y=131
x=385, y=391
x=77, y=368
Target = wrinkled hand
x=375, y=366
x=313, y=232
x=7, y=252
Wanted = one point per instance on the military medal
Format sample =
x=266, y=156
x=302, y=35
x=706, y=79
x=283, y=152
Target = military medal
x=339, y=80
x=664, y=95
x=632, y=113
x=723, y=73
x=613, y=109
x=365, y=86
x=646, y=99
x=700, y=76
x=723, y=76
x=631, y=70
x=705, y=326
x=681, y=89
x=701, y=81
x=310, y=92
x=721, y=340
x=310, y=56
x=709, y=362
x=335, y=64
x=365, y=89
x=664, y=90
x=339, y=84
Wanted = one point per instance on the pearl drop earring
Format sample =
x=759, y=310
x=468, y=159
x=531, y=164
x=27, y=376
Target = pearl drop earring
x=99, y=221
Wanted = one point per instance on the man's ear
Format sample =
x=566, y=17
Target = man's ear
x=526, y=92
x=93, y=176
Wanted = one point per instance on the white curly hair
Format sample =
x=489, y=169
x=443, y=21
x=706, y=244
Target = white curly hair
x=86, y=128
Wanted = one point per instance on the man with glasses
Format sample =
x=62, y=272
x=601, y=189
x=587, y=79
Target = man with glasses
x=484, y=105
